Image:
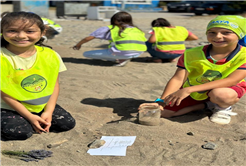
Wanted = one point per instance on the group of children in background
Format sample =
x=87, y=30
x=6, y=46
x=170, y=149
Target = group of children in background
x=209, y=76
x=127, y=41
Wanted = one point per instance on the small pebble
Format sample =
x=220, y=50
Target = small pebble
x=190, y=133
x=209, y=145
x=96, y=144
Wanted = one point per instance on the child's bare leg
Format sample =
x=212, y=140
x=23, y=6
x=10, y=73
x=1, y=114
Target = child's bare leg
x=168, y=113
x=223, y=97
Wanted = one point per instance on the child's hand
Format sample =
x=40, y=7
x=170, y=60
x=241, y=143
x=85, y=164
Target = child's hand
x=48, y=118
x=37, y=122
x=76, y=47
x=176, y=97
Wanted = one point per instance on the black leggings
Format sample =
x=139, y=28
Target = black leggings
x=15, y=127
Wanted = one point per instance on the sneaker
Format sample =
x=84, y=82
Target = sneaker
x=121, y=64
x=222, y=116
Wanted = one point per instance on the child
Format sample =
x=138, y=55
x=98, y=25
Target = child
x=29, y=80
x=126, y=40
x=166, y=42
x=210, y=75
x=52, y=28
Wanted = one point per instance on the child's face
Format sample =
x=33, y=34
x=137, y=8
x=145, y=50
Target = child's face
x=221, y=37
x=22, y=34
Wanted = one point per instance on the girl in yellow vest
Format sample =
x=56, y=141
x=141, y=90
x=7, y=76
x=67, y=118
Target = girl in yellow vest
x=167, y=42
x=210, y=76
x=29, y=80
x=126, y=40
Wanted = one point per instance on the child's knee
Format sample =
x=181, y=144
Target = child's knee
x=222, y=95
x=64, y=125
x=18, y=135
x=16, y=129
x=69, y=125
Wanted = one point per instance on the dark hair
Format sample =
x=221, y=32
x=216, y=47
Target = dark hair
x=160, y=22
x=4, y=13
x=12, y=17
x=122, y=20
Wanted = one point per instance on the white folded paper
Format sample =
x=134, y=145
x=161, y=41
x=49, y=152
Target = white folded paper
x=114, y=146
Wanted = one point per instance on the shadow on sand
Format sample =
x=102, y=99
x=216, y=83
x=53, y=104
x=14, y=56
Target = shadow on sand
x=125, y=107
x=94, y=62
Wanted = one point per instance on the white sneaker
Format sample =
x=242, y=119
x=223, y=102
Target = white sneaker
x=222, y=116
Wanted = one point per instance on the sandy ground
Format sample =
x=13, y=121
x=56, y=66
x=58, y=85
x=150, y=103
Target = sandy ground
x=104, y=101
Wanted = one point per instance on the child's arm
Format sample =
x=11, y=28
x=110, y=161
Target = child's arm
x=172, y=86
x=18, y=107
x=231, y=80
x=175, y=82
x=191, y=37
x=85, y=40
x=50, y=106
x=152, y=39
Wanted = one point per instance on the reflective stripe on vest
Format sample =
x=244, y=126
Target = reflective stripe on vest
x=169, y=43
x=170, y=39
x=202, y=71
x=131, y=39
x=39, y=101
x=32, y=87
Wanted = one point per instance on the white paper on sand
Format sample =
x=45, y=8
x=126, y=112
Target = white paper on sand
x=114, y=146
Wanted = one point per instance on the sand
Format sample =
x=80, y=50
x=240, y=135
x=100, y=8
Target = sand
x=104, y=101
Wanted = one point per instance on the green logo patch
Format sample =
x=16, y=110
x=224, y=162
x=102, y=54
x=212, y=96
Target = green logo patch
x=34, y=83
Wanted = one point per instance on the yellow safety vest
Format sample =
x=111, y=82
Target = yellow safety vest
x=32, y=87
x=131, y=39
x=170, y=39
x=202, y=71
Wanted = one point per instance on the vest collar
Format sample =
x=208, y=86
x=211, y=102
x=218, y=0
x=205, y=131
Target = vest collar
x=232, y=54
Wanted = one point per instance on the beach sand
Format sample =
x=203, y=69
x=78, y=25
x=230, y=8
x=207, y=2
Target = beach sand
x=104, y=100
